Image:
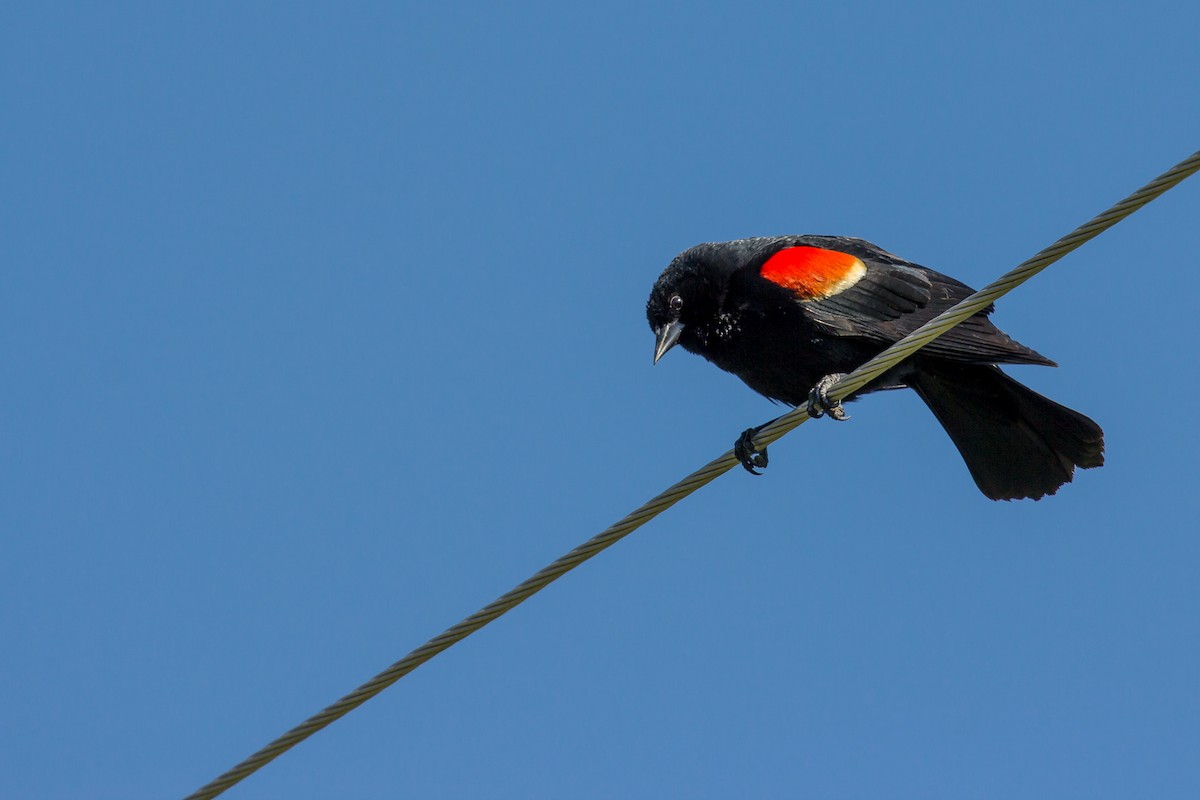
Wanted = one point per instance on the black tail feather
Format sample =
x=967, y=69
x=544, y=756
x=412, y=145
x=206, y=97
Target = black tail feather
x=1016, y=443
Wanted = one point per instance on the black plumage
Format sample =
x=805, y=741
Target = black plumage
x=783, y=312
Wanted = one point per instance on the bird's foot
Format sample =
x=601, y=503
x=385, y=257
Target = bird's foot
x=819, y=403
x=745, y=451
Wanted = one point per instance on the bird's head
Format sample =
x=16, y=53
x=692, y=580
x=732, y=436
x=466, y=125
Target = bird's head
x=685, y=303
x=694, y=302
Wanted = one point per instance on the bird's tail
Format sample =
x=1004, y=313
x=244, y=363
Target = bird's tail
x=1016, y=443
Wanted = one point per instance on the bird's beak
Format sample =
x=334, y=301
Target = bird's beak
x=667, y=336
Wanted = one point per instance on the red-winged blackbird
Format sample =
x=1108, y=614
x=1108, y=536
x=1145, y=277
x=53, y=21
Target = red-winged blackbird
x=788, y=313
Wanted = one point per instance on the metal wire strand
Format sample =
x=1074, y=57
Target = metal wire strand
x=843, y=388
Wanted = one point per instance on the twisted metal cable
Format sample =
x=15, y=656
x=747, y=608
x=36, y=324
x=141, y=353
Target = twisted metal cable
x=843, y=388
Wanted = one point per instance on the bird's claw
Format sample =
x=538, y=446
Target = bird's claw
x=746, y=453
x=819, y=403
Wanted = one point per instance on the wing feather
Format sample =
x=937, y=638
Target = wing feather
x=894, y=297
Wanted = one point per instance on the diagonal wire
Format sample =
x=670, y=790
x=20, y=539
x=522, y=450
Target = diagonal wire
x=843, y=388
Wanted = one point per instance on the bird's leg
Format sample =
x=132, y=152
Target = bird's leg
x=819, y=403
x=745, y=451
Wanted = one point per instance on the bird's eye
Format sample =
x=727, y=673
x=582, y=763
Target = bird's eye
x=676, y=302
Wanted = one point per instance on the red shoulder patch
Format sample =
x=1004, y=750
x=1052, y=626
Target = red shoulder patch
x=813, y=272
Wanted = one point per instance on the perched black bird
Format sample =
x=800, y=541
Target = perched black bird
x=788, y=314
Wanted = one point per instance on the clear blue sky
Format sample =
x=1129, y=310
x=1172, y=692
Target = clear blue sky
x=321, y=326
